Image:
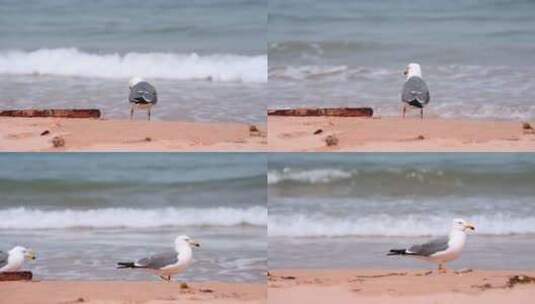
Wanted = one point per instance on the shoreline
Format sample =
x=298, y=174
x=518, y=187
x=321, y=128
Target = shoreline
x=393, y=134
x=101, y=135
x=402, y=286
x=116, y=292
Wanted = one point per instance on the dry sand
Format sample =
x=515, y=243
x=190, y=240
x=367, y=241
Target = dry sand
x=58, y=292
x=358, y=286
x=389, y=134
x=24, y=134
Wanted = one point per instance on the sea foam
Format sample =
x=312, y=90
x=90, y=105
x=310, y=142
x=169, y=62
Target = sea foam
x=300, y=225
x=73, y=62
x=29, y=218
x=312, y=176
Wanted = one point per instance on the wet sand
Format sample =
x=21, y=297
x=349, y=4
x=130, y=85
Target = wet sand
x=408, y=286
x=24, y=134
x=389, y=134
x=130, y=292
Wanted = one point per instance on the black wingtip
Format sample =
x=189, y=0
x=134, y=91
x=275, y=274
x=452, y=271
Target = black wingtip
x=122, y=265
x=397, y=252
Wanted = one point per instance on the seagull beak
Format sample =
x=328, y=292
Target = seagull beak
x=194, y=243
x=30, y=255
x=470, y=226
x=405, y=72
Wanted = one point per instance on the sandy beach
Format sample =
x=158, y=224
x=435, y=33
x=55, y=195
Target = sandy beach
x=407, y=286
x=30, y=134
x=389, y=134
x=129, y=292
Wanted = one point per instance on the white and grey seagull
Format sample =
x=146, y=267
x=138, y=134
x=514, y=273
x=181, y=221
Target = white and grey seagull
x=442, y=250
x=415, y=92
x=14, y=258
x=142, y=96
x=167, y=264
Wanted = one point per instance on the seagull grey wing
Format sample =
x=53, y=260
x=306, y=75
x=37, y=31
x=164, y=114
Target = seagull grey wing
x=143, y=92
x=429, y=248
x=415, y=88
x=3, y=258
x=158, y=261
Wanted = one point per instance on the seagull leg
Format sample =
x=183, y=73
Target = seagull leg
x=165, y=278
x=421, y=113
x=442, y=269
x=403, y=111
x=149, y=112
x=132, y=112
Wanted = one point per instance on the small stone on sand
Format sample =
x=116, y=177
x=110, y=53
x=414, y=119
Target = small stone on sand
x=331, y=140
x=254, y=131
x=45, y=132
x=318, y=131
x=528, y=129
x=184, y=286
x=58, y=142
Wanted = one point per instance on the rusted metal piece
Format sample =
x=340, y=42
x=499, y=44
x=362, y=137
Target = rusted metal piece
x=16, y=276
x=60, y=113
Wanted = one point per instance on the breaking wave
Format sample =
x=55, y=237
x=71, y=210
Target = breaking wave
x=73, y=62
x=391, y=225
x=25, y=218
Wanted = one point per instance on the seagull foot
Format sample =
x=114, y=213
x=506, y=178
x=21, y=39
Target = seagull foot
x=166, y=278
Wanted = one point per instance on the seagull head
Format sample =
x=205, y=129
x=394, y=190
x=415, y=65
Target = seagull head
x=184, y=240
x=413, y=69
x=133, y=81
x=462, y=225
x=22, y=251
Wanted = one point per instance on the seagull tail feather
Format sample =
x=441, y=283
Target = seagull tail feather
x=122, y=265
x=397, y=252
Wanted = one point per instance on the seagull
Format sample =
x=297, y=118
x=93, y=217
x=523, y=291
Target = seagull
x=13, y=259
x=414, y=92
x=142, y=95
x=440, y=251
x=169, y=263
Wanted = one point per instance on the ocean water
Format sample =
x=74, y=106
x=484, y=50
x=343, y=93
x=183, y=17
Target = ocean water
x=206, y=58
x=83, y=213
x=323, y=206
x=476, y=56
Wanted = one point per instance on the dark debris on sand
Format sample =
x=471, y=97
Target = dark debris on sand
x=519, y=280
